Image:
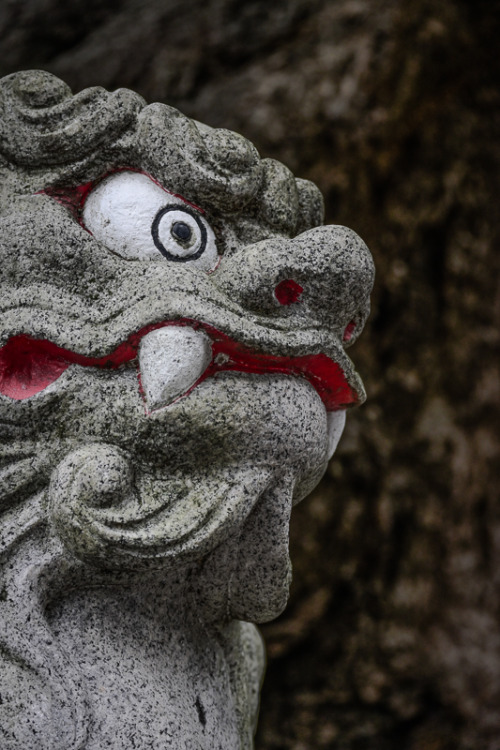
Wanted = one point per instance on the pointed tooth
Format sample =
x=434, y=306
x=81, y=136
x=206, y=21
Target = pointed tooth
x=335, y=423
x=171, y=360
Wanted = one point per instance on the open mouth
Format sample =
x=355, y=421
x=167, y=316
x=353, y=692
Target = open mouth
x=173, y=358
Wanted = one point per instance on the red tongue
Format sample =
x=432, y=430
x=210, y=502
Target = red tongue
x=27, y=367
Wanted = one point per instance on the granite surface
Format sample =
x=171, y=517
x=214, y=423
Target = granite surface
x=173, y=378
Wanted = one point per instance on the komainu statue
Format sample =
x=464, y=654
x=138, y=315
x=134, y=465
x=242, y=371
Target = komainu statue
x=173, y=378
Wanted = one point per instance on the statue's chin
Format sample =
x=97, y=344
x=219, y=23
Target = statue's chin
x=178, y=482
x=106, y=513
x=262, y=575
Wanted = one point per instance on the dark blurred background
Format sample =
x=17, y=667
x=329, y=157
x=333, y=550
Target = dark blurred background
x=391, y=640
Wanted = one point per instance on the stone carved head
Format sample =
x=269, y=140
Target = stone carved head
x=173, y=378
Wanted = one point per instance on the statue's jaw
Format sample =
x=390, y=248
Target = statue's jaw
x=173, y=358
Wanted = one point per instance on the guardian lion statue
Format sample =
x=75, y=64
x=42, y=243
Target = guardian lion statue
x=173, y=378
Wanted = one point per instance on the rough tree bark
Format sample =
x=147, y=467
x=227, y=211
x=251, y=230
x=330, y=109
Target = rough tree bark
x=391, y=640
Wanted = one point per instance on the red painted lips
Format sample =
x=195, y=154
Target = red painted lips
x=28, y=365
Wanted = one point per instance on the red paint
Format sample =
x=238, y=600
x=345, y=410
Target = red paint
x=288, y=291
x=349, y=331
x=73, y=198
x=28, y=366
x=325, y=375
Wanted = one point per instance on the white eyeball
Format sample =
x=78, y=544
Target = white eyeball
x=136, y=218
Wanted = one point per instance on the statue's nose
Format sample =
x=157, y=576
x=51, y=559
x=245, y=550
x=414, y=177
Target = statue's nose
x=323, y=276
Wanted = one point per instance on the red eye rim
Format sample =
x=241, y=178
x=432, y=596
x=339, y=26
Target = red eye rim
x=73, y=198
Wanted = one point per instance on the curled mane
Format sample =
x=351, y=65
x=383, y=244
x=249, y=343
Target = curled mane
x=77, y=138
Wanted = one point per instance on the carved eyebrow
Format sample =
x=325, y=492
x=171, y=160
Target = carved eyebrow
x=73, y=198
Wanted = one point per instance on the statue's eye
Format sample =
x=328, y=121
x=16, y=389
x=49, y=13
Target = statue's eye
x=181, y=231
x=179, y=234
x=136, y=218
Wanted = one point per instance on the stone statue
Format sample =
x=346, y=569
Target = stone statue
x=173, y=378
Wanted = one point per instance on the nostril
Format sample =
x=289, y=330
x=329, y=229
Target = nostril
x=287, y=292
x=349, y=331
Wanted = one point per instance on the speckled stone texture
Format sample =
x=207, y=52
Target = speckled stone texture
x=173, y=378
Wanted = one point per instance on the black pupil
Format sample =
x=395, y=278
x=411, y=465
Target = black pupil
x=181, y=231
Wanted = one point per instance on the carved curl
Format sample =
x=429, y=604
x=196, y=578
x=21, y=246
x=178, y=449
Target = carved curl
x=42, y=124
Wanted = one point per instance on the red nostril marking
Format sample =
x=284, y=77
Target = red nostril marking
x=287, y=292
x=349, y=330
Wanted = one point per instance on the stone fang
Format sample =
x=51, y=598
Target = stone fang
x=171, y=360
x=335, y=423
